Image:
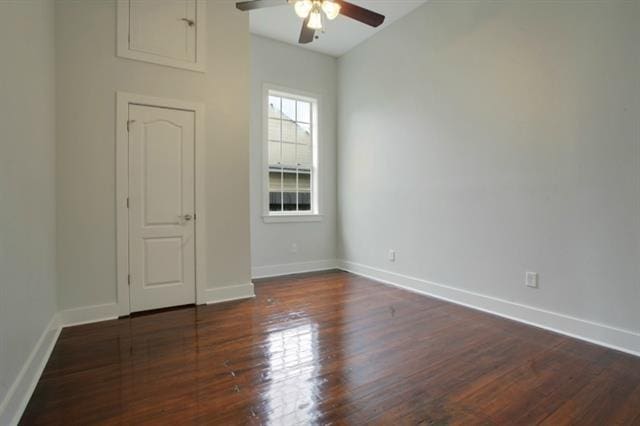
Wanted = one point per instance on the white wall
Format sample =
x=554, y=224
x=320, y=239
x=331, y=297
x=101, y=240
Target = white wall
x=485, y=139
x=292, y=67
x=27, y=189
x=88, y=76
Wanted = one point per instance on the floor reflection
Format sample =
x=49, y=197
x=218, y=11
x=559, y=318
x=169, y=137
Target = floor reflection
x=293, y=363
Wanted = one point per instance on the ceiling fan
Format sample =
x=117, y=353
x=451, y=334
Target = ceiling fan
x=312, y=13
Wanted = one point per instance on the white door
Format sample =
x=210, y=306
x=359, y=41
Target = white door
x=161, y=207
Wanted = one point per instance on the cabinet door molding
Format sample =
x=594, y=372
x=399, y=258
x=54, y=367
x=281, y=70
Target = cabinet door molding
x=168, y=32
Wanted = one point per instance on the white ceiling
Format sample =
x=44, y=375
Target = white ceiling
x=341, y=35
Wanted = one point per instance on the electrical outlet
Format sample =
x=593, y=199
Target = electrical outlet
x=392, y=256
x=531, y=279
x=294, y=247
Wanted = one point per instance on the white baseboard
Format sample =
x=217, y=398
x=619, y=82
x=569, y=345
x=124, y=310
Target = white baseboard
x=89, y=314
x=600, y=334
x=229, y=293
x=293, y=268
x=15, y=401
x=17, y=398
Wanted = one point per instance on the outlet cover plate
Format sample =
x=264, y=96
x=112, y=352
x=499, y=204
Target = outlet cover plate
x=531, y=279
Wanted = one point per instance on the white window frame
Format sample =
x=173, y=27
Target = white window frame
x=316, y=203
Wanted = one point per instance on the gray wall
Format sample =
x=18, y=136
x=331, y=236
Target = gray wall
x=27, y=199
x=291, y=67
x=484, y=139
x=88, y=76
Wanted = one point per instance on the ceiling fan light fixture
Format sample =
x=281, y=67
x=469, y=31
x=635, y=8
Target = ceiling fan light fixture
x=315, y=20
x=331, y=9
x=303, y=7
x=314, y=13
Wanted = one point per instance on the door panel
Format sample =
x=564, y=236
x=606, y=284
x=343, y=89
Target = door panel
x=161, y=197
x=162, y=28
x=163, y=261
x=162, y=173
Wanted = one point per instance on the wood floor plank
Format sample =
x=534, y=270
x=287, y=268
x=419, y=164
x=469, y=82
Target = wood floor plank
x=330, y=348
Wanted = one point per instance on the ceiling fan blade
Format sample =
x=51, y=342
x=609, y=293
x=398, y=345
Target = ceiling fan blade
x=361, y=14
x=306, y=34
x=259, y=4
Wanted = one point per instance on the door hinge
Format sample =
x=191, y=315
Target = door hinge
x=128, y=280
x=127, y=202
x=129, y=123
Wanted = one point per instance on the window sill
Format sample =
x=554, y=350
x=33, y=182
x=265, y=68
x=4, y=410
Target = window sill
x=291, y=218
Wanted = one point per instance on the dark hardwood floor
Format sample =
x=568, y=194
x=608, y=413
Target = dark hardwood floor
x=331, y=348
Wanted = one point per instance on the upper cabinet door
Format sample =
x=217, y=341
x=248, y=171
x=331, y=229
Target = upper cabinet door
x=165, y=32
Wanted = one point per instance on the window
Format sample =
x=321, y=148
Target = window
x=291, y=154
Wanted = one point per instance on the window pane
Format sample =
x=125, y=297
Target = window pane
x=288, y=109
x=289, y=182
x=304, y=151
x=304, y=182
x=274, y=130
x=304, y=133
x=289, y=154
x=304, y=112
x=289, y=131
x=304, y=191
x=304, y=201
x=274, y=107
x=275, y=191
x=274, y=153
x=275, y=201
x=275, y=181
x=289, y=201
x=303, y=156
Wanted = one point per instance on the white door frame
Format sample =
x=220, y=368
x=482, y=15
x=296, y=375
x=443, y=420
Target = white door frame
x=123, y=100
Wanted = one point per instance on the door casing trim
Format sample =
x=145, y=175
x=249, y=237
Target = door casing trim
x=123, y=100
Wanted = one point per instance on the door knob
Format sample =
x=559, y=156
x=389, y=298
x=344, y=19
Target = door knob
x=186, y=218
